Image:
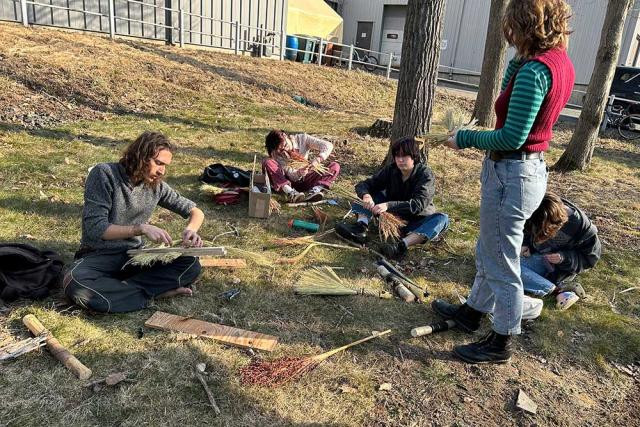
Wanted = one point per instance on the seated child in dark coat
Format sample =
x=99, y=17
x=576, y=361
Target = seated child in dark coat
x=404, y=188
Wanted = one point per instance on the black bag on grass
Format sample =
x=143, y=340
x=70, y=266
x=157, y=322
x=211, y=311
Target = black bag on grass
x=218, y=173
x=27, y=272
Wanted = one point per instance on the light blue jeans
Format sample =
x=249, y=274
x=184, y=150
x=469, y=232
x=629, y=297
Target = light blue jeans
x=511, y=191
x=533, y=270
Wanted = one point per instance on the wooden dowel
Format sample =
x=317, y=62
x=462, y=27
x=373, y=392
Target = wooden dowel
x=207, y=390
x=56, y=349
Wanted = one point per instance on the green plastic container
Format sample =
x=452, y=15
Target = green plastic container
x=304, y=225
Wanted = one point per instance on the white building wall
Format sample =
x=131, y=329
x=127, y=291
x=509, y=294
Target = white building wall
x=465, y=28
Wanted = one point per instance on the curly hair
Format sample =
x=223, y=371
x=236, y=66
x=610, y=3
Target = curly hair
x=548, y=219
x=135, y=158
x=535, y=26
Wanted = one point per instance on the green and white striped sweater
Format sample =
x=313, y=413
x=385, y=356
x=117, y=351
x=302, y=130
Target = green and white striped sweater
x=531, y=85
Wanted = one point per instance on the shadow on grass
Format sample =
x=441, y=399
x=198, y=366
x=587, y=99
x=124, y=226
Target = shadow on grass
x=42, y=207
x=224, y=72
x=627, y=158
x=95, y=104
x=98, y=141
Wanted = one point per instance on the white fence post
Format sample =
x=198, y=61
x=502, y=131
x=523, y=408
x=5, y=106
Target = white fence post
x=236, y=48
x=320, y=51
x=112, y=19
x=389, y=65
x=181, y=23
x=283, y=45
x=607, y=111
x=350, y=56
x=25, y=14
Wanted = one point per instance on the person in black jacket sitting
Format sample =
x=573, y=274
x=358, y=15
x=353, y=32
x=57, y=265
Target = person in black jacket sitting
x=559, y=242
x=404, y=188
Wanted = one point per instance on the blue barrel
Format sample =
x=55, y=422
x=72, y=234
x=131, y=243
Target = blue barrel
x=292, y=43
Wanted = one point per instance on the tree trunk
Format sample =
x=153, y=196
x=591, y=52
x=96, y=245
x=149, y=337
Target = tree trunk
x=495, y=47
x=579, y=152
x=418, y=69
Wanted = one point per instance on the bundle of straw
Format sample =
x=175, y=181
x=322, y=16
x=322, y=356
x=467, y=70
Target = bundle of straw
x=274, y=205
x=298, y=161
x=324, y=281
x=211, y=190
x=453, y=120
x=389, y=225
x=280, y=371
x=147, y=259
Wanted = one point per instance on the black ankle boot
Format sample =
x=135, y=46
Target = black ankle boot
x=394, y=250
x=355, y=232
x=493, y=348
x=467, y=319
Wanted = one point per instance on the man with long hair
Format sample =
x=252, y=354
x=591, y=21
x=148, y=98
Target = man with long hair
x=119, y=199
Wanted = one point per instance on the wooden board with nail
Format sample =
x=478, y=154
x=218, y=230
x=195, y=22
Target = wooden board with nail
x=225, y=334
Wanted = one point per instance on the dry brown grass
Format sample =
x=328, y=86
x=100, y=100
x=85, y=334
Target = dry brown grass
x=218, y=108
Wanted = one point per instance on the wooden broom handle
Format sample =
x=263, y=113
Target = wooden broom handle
x=323, y=356
x=56, y=349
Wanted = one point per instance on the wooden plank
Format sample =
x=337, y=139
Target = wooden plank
x=227, y=263
x=222, y=333
x=208, y=251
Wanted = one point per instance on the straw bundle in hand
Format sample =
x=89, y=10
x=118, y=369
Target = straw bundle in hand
x=389, y=225
x=324, y=281
x=298, y=161
x=453, y=120
x=280, y=371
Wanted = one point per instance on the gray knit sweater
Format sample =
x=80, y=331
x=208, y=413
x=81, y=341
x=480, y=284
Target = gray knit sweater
x=110, y=198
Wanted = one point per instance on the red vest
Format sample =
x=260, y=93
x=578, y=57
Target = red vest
x=562, y=79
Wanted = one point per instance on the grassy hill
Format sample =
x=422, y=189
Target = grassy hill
x=69, y=100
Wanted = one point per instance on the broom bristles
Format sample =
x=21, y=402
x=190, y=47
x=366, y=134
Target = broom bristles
x=325, y=281
x=276, y=372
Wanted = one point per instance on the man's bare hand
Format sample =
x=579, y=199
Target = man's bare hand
x=525, y=251
x=156, y=234
x=191, y=239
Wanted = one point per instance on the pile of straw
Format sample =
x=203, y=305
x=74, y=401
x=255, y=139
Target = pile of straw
x=324, y=281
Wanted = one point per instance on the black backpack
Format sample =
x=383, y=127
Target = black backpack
x=221, y=174
x=27, y=272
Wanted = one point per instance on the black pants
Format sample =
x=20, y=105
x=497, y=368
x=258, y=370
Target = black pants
x=98, y=281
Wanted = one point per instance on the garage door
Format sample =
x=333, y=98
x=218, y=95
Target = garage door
x=392, y=33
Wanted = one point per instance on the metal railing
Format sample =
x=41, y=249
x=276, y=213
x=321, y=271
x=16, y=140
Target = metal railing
x=244, y=38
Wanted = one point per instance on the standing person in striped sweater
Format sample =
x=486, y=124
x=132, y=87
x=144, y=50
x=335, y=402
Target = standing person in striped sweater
x=536, y=86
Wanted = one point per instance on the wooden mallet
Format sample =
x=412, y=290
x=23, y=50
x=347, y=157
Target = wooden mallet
x=56, y=349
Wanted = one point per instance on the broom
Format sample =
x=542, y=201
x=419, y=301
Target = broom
x=324, y=281
x=389, y=225
x=280, y=371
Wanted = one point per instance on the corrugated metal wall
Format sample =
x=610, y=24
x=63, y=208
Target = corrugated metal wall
x=255, y=13
x=466, y=24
